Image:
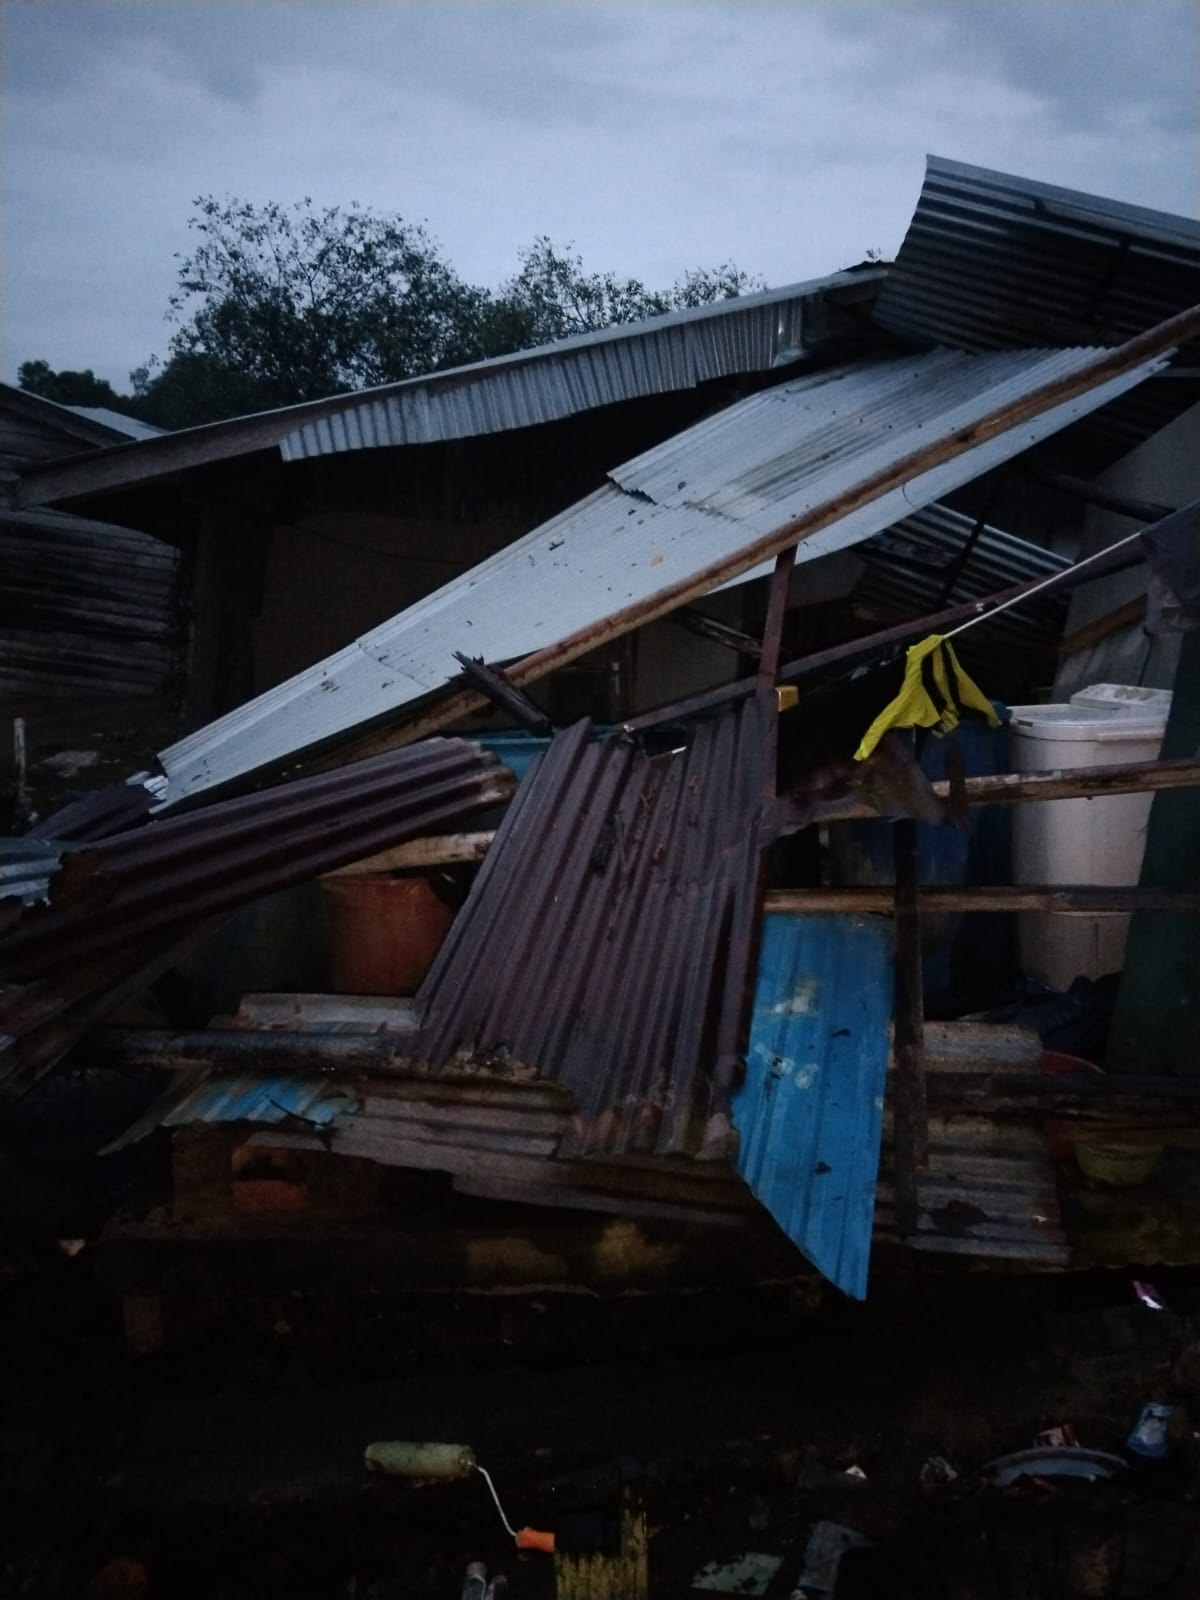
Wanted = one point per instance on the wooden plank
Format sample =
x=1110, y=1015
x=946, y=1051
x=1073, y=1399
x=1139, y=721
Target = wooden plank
x=908, y=1030
x=493, y=683
x=1068, y=899
x=1102, y=627
x=1136, y=777
x=450, y=849
x=1005, y=788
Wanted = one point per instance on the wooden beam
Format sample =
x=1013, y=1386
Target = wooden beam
x=1136, y=777
x=1006, y=788
x=1071, y=899
x=719, y=632
x=451, y=849
x=908, y=1031
x=493, y=682
x=851, y=650
x=1091, y=494
x=1102, y=627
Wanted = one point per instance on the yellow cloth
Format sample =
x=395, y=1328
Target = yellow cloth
x=935, y=690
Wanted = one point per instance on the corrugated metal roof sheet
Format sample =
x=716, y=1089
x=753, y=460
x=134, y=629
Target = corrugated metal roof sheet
x=86, y=608
x=678, y=350
x=100, y=813
x=750, y=334
x=674, y=523
x=600, y=942
x=810, y=1111
x=251, y=1097
x=988, y=1191
x=993, y=262
x=33, y=429
x=26, y=867
x=166, y=875
x=131, y=427
x=200, y=1095
x=916, y=568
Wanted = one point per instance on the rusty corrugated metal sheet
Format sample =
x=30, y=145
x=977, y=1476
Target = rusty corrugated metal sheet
x=596, y=943
x=169, y=874
x=98, y=815
x=87, y=609
x=989, y=1189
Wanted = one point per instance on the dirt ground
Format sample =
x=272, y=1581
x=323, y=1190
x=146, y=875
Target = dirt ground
x=230, y=1464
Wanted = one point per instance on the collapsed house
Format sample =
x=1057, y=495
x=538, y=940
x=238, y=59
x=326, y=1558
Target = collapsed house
x=681, y=981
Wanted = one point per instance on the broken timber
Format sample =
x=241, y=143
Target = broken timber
x=1076, y=900
x=492, y=682
x=1005, y=788
x=911, y=1117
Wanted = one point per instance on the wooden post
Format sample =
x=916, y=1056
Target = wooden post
x=911, y=1121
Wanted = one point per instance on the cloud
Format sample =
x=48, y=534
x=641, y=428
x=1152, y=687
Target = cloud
x=787, y=135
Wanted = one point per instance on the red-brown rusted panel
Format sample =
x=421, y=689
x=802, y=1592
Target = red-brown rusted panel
x=595, y=945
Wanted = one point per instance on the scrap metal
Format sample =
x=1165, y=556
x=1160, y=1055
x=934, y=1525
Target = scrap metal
x=992, y=262
x=750, y=333
x=828, y=459
x=169, y=874
x=595, y=944
x=810, y=1111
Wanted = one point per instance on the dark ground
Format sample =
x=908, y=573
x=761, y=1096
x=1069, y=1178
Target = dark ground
x=230, y=1465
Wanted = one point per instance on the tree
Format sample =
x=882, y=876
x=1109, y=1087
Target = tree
x=69, y=388
x=313, y=302
x=280, y=304
x=553, y=296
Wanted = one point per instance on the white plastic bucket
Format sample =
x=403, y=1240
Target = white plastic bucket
x=1082, y=841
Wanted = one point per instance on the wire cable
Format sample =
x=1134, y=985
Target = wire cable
x=487, y=1478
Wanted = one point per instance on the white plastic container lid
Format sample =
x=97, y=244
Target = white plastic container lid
x=1125, y=699
x=1104, y=713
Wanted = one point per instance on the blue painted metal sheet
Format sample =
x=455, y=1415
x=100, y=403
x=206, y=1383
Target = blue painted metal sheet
x=810, y=1113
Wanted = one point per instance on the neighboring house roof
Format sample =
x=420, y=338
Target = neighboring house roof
x=828, y=457
x=131, y=427
x=752, y=333
x=34, y=430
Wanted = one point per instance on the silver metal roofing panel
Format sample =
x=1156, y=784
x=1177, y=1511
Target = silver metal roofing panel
x=252, y=1097
x=911, y=568
x=682, y=348
x=202, y=1095
x=132, y=427
x=26, y=867
x=992, y=261
x=750, y=334
x=655, y=535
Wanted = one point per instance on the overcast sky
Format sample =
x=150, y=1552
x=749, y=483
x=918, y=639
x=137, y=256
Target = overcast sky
x=789, y=135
